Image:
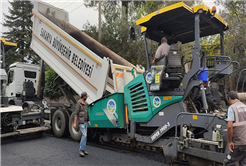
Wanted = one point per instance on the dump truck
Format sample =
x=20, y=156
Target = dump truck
x=179, y=112
x=82, y=63
x=25, y=81
x=17, y=120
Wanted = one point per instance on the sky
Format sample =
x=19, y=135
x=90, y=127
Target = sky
x=78, y=13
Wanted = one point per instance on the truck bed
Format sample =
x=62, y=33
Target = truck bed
x=82, y=62
x=11, y=108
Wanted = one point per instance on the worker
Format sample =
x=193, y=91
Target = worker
x=83, y=120
x=236, y=129
x=162, y=51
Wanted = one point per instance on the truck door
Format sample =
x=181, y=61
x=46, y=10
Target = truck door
x=31, y=76
x=10, y=90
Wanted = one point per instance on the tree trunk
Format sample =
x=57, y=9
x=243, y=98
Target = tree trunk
x=125, y=4
x=232, y=83
x=99, y=21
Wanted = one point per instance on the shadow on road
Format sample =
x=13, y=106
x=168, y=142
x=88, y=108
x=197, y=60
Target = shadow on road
x=21, y=138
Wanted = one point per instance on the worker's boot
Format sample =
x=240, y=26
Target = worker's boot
x=86, y=153
x=81, y=153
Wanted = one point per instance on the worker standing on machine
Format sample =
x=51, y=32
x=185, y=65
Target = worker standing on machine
x=162, y=51
x=236, y=129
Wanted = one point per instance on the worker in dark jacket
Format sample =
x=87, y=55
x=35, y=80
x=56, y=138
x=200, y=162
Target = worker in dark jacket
x=236, y=129
x=84, y=121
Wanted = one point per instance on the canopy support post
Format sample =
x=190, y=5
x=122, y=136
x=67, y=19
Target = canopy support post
x=196, y=56
x=146, y=50
x=222, y=45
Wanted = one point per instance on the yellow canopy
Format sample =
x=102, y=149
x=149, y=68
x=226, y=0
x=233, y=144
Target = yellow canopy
x=7, y=45
x=176, y=22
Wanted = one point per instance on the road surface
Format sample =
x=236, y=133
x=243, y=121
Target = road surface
x=49, y=150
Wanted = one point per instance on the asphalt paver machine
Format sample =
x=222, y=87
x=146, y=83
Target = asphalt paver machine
x=196, y=132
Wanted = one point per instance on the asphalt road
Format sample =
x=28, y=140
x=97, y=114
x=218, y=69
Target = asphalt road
x=49, y=150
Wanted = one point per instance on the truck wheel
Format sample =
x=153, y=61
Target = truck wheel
x=60, y=123
x=75, y=135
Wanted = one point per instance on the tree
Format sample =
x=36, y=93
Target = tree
x=211, y=44
x=150, y=6
x=99, y=20
x=116, y=27
x=20, y=31
x=51, y=90
x=116, y=32
x=235, y=15
x=124, y=3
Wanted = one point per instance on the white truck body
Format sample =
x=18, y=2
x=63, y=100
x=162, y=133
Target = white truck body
x=77, y=65
x=74, y=63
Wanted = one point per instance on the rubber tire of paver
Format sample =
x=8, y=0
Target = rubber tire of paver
x=75, y=135
x=62, y=130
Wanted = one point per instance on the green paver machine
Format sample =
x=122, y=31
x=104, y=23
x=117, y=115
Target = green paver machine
x=165, y=109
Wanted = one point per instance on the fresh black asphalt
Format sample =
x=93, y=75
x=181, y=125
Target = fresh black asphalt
x=48, y=150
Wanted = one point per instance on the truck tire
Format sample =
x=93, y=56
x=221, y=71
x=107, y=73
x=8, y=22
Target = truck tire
x=60, y=123
x=75, y=135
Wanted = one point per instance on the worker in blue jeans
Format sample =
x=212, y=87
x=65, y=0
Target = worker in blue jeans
x=84, y=121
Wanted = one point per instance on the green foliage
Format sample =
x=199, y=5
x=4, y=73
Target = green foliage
x=211, y=44
x=109, y=4
x=188, y=2
x=20, y=31
x=153, y=5
x=119, y=17
x=235, y=14
x=51, y=90
x=186, y=51
x=116, y=33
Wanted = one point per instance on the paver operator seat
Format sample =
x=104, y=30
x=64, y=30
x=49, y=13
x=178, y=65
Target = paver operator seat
x=172, y=68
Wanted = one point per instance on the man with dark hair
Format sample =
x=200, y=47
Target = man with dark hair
x=236, y=129
x=83, y=119
x=162, y=50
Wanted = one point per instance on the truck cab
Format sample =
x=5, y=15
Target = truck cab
x=18, y=74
